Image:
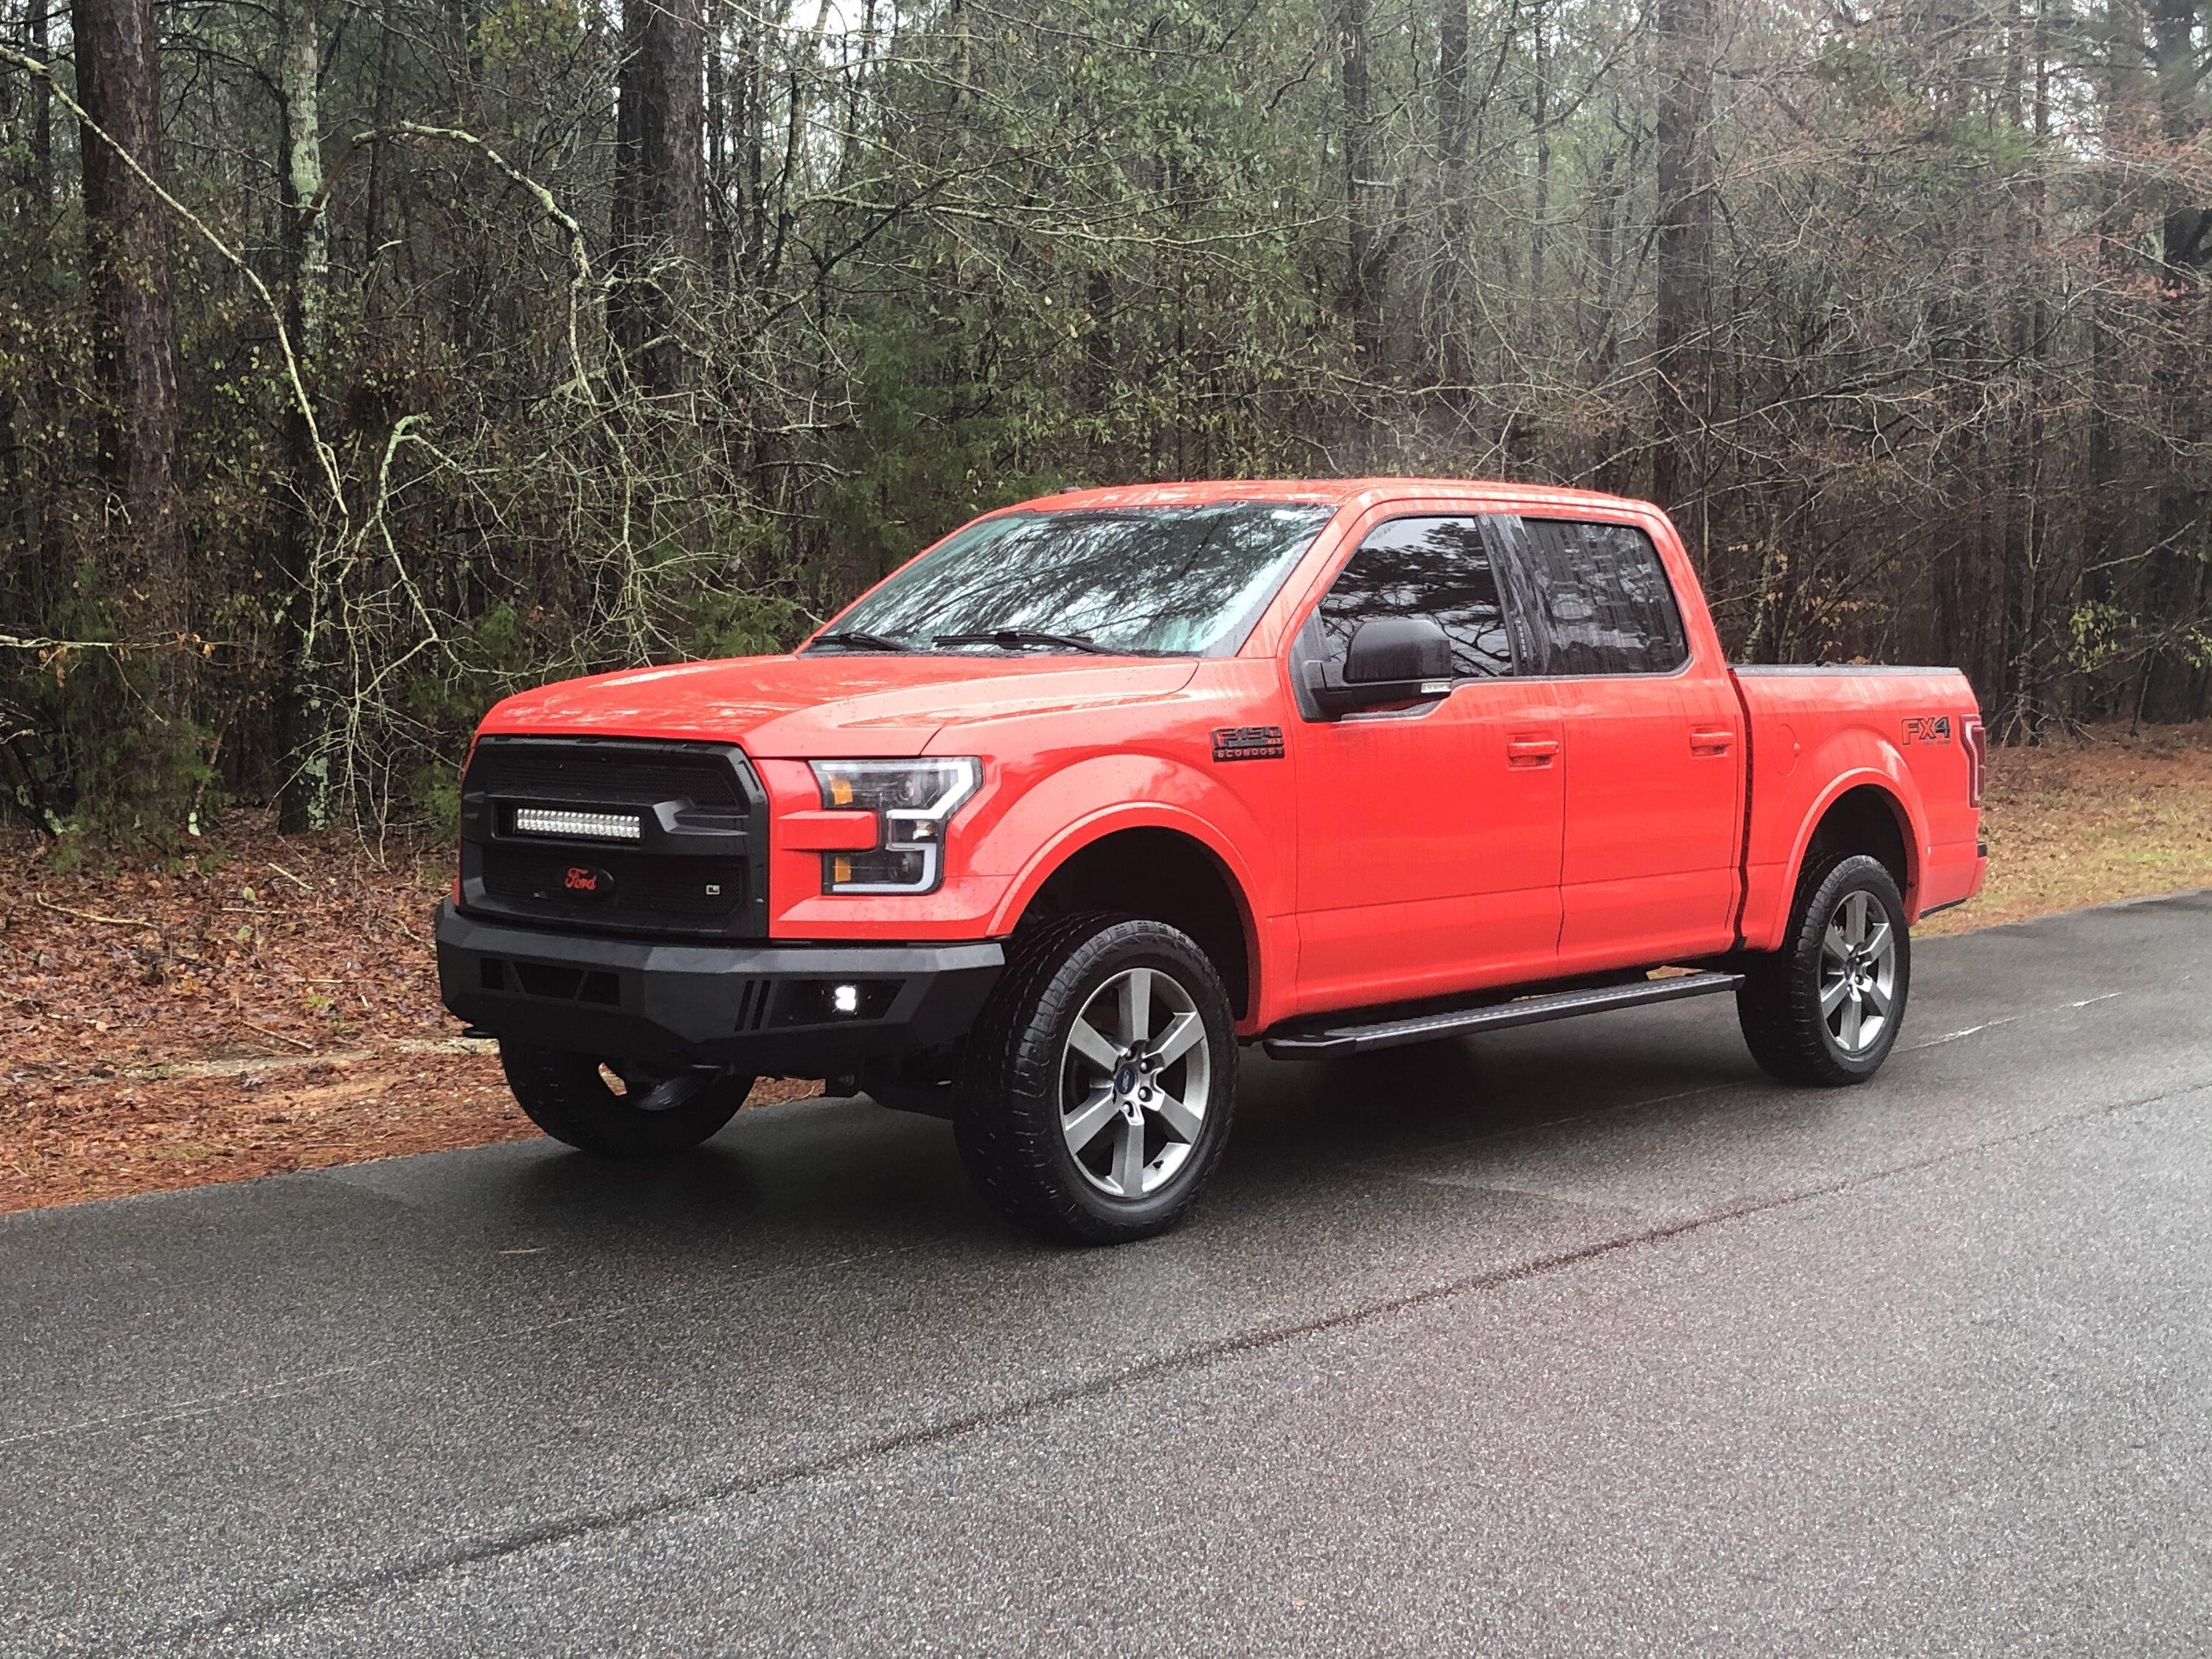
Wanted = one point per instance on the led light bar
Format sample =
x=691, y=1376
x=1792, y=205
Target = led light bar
x=595, y=826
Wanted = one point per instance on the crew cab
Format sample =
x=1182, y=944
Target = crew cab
x=1045, y=826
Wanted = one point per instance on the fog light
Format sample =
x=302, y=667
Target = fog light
x=846, y=999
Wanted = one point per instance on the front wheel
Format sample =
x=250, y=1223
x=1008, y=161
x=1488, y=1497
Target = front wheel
x=1100, y=1081
x=615, y=1109
x=1825, y=1009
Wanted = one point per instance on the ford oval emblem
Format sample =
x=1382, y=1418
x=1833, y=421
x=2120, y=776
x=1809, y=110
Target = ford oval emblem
x=587, y=881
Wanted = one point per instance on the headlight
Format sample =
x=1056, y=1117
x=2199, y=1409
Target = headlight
x=912, y=801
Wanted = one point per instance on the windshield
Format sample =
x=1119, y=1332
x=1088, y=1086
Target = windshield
x=1151, y=581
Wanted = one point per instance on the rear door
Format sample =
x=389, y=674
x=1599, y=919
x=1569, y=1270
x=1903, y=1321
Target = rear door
x=1655, y=747
x=1429, y=837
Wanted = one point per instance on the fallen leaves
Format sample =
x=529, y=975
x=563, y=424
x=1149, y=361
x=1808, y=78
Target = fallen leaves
x=163, y=1027
x=2074, y=824
x=166, y=1026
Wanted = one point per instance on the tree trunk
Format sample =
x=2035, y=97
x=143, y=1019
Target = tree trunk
x=40, y=174
x=1452, y=119
x=303, y=799
x=1681, y=251
x=2174, y=687
x=1451, y=91
x=379, y=146
x=715, y=176
x=1362, y=281
x=1540, y=119
x=135, y=369
x=659, y=217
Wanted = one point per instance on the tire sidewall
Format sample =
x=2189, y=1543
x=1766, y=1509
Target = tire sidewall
x=1030, y=1087
x=1858, y=873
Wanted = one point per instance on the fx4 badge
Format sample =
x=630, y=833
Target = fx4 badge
x=1928, y=728
x=1237, y=742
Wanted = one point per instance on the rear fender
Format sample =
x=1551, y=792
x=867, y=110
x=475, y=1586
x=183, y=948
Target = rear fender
x=1857, y=757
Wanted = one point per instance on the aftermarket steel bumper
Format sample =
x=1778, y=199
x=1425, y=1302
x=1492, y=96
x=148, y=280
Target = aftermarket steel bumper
x=770, y=1009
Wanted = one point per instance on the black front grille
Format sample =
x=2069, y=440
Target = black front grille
x=597, y=770
x=695, y=870
x=635, y=881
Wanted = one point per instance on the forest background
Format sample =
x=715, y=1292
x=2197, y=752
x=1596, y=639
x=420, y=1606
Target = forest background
x=361, y=360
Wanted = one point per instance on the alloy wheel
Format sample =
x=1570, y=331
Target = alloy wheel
x=1858, y=972
x=1135, y=1080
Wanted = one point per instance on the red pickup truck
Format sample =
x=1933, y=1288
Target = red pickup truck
x=1046, y=824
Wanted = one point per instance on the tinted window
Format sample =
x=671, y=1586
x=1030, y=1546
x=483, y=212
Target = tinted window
x=1438, y=567
x=1602, y=599
x=1167, y=579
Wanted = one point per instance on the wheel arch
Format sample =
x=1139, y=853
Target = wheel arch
x=1154, y=862
x=1862, y=811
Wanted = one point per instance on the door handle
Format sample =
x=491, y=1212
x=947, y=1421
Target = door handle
x=1531, y=749
x=1711, y=739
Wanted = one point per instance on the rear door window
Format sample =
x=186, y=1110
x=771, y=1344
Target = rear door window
x=1601, y=600
x=1440, y=567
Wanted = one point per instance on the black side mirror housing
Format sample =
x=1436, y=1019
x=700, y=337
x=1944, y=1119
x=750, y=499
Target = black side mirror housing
x=1390, y=659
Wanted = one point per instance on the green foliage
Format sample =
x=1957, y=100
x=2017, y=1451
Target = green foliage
x=738, y=623
x=494, y=657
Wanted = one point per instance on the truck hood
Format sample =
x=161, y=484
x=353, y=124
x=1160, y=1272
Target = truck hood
x=834, y=704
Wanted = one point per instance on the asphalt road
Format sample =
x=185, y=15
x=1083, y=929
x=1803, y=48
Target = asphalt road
x=1583, y=1339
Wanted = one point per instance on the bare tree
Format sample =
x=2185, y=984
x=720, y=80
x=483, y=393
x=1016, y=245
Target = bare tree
x=660, y=203
x=1364, y=190
x=127, y=249
x=304, y=800
x=2175, y=675
x=1683, y=61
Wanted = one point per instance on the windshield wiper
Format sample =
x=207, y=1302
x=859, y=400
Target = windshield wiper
x=1010, y=638
x=859, y=638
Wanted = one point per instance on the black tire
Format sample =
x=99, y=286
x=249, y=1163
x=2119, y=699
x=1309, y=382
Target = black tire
x=1779, y=1003
x=1007, y=1117
x=567, y=1096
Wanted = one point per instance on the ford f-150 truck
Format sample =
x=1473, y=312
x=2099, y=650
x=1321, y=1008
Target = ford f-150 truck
x=1044, y=826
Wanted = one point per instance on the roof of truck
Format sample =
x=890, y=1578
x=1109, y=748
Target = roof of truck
x=1335, y=492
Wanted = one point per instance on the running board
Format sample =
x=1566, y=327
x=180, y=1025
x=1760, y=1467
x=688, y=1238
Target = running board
x=1336, y=1040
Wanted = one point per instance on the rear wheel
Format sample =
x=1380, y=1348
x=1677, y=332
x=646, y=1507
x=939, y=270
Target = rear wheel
x=615, y=1107
x=1100, y=1081
x=1825, y=1009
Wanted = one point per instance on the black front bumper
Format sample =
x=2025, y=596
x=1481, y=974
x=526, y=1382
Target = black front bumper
x=771, y=1009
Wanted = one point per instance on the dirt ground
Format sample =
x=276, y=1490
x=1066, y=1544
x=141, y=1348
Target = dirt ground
x=2111, y=817
x=272, y=1003
x=268, y=1005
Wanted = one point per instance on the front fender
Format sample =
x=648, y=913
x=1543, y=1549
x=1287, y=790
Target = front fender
x=1078, y=805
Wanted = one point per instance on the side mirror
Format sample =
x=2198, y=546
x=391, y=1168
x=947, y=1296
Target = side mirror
x=1390, y=659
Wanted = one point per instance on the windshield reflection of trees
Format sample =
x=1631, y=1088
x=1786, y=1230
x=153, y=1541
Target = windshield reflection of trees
x=1143, y=580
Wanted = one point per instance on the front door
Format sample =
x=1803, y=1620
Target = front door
x=1429, y=837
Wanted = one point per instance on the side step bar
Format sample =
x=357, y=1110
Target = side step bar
x=1333, y=1041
